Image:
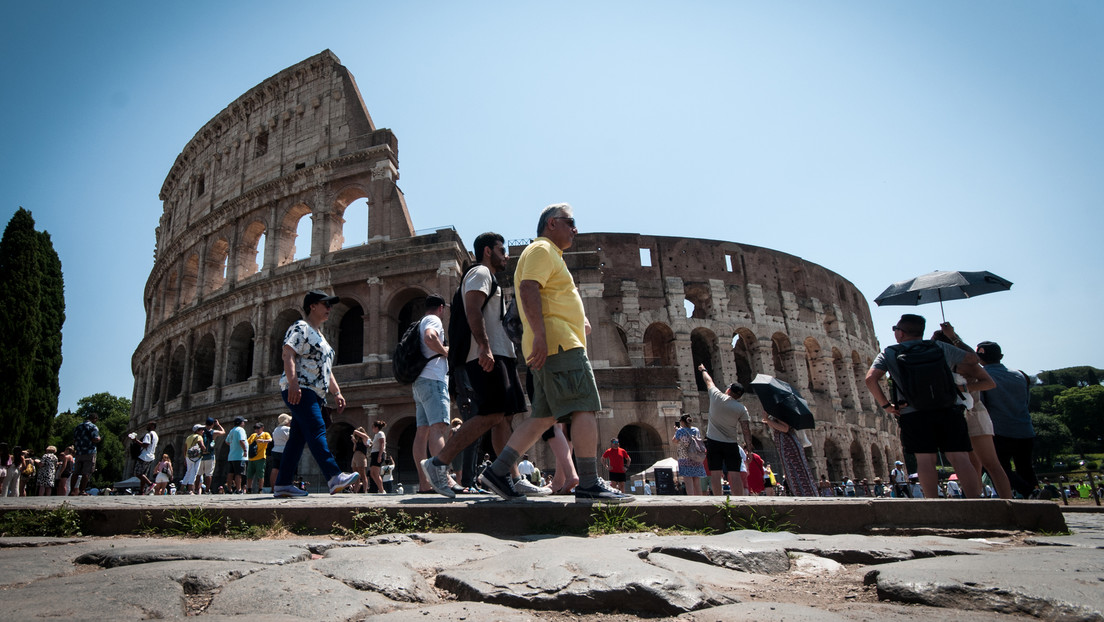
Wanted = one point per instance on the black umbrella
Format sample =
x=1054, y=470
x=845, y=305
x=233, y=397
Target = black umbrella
x=942, y=285
x=783, y=402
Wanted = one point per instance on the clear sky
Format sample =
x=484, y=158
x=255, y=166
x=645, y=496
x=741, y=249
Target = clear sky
x=882, y=140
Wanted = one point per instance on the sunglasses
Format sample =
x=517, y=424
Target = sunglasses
x=569, y=220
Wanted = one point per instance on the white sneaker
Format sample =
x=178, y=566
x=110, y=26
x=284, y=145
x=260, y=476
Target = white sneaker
x=284, y=492
x=341, y=481
x=529, y=489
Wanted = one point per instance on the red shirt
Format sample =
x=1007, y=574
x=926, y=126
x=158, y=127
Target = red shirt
x=616, y=457
x=755, y=473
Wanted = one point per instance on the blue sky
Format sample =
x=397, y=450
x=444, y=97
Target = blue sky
x=880, y=140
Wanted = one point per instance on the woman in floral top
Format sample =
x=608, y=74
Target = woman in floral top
x=308, y=376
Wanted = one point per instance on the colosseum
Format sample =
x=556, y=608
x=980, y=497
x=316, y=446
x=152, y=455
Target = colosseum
x=234, y=257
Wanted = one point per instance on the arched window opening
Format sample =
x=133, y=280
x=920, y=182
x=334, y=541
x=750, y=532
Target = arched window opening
x=303, y=229
x=251, y=253
x=189, y=281
x=818, y=379
x=782, y=355
x=171, y=293
x=859, y=468
x=239, y=355
x=283, y=321
x=158, y=380
x=659, y=346
x=215, y=270
x=644, y=444
x=355, y=228
x=294, y=235
x=744, y=348
x=698, y=301
x=833, y=456
x=176, y=372
x=350, y=340
x=203, y=364
x=703, y=348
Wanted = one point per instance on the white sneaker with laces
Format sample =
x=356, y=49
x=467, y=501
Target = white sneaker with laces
x=341, y=481
x=529, y=489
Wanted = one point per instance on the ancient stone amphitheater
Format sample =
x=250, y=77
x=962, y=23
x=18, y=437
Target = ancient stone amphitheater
x=234, y=257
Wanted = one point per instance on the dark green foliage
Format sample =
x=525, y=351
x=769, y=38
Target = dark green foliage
x=1052, y=437
x=32, y=304
x=1041, y=398
x=1073, y=376
x=61, y=429
x=1082, y=410
x=60, y=522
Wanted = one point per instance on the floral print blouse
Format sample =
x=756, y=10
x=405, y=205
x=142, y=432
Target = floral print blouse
x=315, y=361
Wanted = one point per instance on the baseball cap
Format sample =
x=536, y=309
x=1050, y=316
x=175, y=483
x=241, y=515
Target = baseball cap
x=614, y=440
x=210, y=421
x=258, y=425
x=239, y=419
x=433, y=301
x=315, y=295
x=197, y=427
x=899, y=463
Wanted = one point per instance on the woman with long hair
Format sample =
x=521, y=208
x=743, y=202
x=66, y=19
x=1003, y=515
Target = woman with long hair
x=164, y=475
x=799, y=479
x=379, y=451
x=360, y=456
x=65, y=472
x=690, y=470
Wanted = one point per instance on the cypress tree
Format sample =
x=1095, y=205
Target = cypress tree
x=43, y=403
x=19, y=272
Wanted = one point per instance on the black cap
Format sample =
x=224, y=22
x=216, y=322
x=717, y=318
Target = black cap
x=433, y=301
x=258, y=425
x=239, y=419
x=210, y=421
x=314, y=296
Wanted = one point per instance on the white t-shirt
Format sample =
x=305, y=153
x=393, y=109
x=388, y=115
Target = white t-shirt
x=149, y=452
x=379, y=441
x=479, y=279
x=525, y=468
x=280, y=438
x=436, y=368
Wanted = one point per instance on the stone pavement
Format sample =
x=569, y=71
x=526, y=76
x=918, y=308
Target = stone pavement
x=474, y=576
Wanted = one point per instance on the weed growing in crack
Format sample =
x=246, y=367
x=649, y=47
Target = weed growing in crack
x=378, y=522
x=607, y=519
x=769, y=522
x=201, y=522
x=60, y=522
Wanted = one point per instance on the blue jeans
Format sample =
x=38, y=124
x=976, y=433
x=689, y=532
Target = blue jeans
x=307, y=428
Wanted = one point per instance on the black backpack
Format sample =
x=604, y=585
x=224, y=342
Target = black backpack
x=925, y=381
x=459, y=332
x=408, y=361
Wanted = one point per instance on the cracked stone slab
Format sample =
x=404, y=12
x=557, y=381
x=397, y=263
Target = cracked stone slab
x=577, y=574
x=733, y=550
x=788, y=612
x=434, y=551
x=857, y=549
x=296, y=590
x=128, y=593
x=458, y=612
x=152, y=550
x=374, y=569
x=1045, y=582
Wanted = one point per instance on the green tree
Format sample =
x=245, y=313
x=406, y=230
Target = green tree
x=114, y=415
x=19, y=272
x=43, y=400
x=1052, y=437
x=1041, y=398
x=1080, y=376
x=61, y=429
x=1082, y=410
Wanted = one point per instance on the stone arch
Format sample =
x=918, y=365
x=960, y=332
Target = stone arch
x=818, y=379
x=158, y=379
x=767, y=450
x=171, y=294
x=699, y=295
x=859, y=468
x=287, y=240
x=644, y=444
x=406, y=306
x=339, y=438
x=214, y=273
x=253, y=238
x=190, y=280
x=703, y=349
x=283, y=321
x=176, y=371
x=843, y=380
x=400, y=445
x=351, y=207
x=745, y=355
x=834, y=460
x=203, y=364
x=239, y=353
x=782, y=355
x=659, y=346
x=350, y=334
x=877, y=461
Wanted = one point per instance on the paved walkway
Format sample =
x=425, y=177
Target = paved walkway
x=473, y=576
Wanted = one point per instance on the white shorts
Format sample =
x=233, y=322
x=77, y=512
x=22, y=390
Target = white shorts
x=207, y=467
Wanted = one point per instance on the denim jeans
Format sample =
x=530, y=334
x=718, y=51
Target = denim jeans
x=307, y=428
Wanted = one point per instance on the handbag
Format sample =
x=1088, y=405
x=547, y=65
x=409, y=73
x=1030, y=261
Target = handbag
x=695, y=449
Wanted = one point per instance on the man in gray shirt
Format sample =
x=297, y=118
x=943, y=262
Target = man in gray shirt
x=927, y=432
x=722, y=437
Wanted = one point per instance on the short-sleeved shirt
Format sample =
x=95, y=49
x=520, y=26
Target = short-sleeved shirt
x=1008, y=403
x=83, y=436
x=436, y=368
x=480, y=278
x=379, y=442
x=149, y=452
x=280, y=438
x=234, y=440
x=725, y=414
x=315, y=363
x=564, y=318
x=951, y=354
x=208, y=444
x=191, y=441
x=263, y=440
x=616, y=459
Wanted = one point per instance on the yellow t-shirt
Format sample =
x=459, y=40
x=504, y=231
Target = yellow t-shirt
x=564, y=318
x=263, y=441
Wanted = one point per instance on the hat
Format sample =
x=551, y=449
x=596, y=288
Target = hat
x=258, y=425
x=239, y=419
x=989, y=351
x=433, y=301
x=315, y=295
x=210, y=421
x=614, y=440
x=197, y=427
x=899, y=463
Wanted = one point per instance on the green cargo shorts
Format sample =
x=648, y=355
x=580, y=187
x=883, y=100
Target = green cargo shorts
x=565, y=385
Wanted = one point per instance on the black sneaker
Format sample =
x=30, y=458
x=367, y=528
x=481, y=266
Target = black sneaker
x=502, y=486
x=601, y=493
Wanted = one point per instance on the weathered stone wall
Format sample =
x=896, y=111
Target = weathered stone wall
x=302, y=145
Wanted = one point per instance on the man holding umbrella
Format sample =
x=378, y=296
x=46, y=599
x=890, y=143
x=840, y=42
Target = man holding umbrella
x=931, y=420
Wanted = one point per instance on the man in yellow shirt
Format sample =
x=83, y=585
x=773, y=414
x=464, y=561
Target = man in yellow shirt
x=554, y=346
x=255, y=470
